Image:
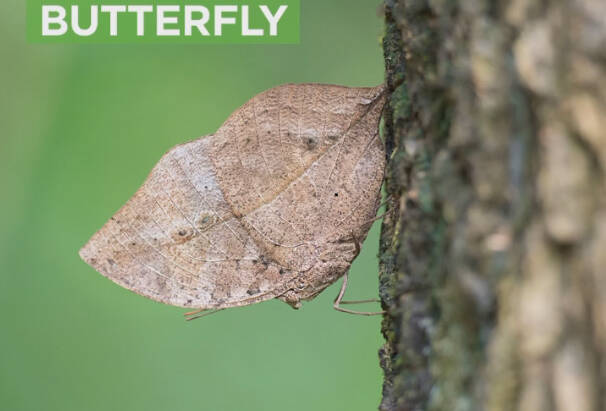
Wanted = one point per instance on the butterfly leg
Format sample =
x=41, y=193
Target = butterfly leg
x=372, y=300
x=386, y=201
x=339, y=301
x=372, y=220
x=376, y=218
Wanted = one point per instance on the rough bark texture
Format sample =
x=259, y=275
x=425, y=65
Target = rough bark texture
x=493, y=263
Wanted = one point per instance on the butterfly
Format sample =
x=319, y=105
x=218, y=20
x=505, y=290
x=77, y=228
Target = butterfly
x=272, y=205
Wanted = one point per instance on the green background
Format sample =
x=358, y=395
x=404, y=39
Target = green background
x=80, y=128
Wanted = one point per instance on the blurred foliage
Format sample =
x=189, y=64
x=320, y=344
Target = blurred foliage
x=80, y=128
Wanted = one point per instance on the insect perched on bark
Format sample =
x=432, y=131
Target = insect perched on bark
x=273, y=205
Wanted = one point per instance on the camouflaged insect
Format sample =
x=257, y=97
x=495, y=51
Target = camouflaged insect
x=272, y=205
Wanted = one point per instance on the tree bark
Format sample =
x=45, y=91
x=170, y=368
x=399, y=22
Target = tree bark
x=493, y=258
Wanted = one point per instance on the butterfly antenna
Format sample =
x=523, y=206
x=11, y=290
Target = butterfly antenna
x=201, y=313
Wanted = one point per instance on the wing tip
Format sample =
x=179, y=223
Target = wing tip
x=83, y=252
x=88, y=254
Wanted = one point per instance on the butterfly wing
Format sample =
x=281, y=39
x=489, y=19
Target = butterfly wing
x=238, y=217
x=176, y=240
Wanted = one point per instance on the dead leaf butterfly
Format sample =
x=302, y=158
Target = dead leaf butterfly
x=273, y=205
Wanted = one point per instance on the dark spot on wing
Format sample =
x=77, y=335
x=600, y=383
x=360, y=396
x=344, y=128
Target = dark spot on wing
x=183, y=235
x=205, y=222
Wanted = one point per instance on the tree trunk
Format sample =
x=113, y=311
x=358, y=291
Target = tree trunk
x=493, y=260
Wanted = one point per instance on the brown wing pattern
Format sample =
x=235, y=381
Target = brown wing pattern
x=236, y=217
